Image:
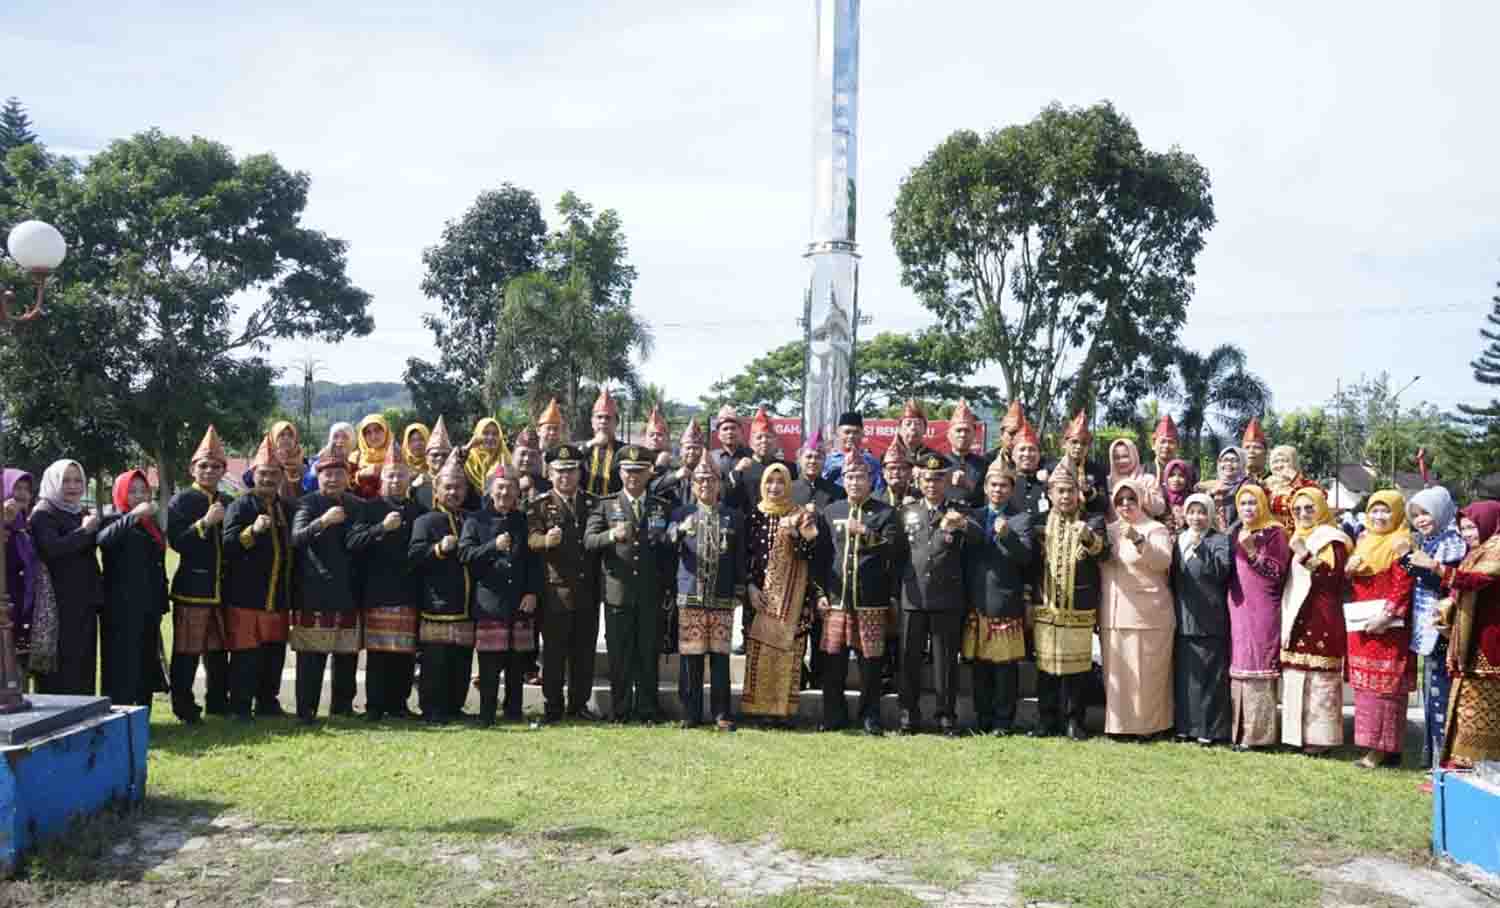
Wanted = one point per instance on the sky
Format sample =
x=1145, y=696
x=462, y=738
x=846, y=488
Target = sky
x=1351, y=149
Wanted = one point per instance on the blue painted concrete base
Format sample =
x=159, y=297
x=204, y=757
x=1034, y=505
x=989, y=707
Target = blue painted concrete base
x=1466, y=820
x=48, y=782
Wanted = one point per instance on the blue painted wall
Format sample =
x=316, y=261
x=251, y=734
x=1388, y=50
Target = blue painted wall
x=1466, y=821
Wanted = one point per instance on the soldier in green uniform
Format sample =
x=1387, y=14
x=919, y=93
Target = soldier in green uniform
x=629, y=531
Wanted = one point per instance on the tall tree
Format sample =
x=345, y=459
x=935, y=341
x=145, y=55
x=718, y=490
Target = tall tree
x=15, y=126
x=1214, y=388
x=499, y=238
x=1059, y=249
x=1487, y=367
x=204, y=261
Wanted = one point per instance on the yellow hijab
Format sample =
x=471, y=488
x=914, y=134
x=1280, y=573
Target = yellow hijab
x=480, y=461
x=1377, y=551
x=373, y=456
x=417, y=463
x=1263, y=516
x=1323, y=526
x=781, y=506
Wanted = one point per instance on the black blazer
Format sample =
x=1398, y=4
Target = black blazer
x=70, y=556
x=501, y=578
x=871, y=563
x=446, y=585
x=929, y=560
x=995, y=573
x=259, y=568
x=200, y=549
x=380, y=557
x=326, y=567
x=135, y=569
x=1200, y=586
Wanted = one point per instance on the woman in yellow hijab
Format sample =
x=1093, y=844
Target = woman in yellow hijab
x=1261, y=556
x=1313, y=640
x=414, y=448
x=486, y=448
x=374, y=438
x=1382, y=669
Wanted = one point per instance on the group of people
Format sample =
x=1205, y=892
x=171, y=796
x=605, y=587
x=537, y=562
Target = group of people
x=1230, y=610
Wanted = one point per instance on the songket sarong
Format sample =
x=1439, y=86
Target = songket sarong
x=1379, y=720
x=452, y=633
x=1064, y=640
x=995, y=640
x=516, y=634
x=1312, y=708
x=196, y=630
x=773, y=658
x=859, y=629
x=315, y=631
x=391, y=630
x=704, y=627
x=249, y=628
x=1253, y=703
x=1474, y=718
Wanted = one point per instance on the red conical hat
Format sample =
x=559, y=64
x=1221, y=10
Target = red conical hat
x=1254, y=433
x=692, y=435
x=265, y=455
x=962, y=415
x=726, y=414
x=526, y=438
x=552, y=416
x=502, y=471
x=1027, y=434
x=1015, y=417
x=655, y=422
x=1079, y=428
x=605, y=405
x=439, y=440
x=1165, y=429
x=210, y=448
x=897, y=452
x=913, y=410
x=761, y=422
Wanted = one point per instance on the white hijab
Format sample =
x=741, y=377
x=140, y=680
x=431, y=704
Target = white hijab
x=51, y=489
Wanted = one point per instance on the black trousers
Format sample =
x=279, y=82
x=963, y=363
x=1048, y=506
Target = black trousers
x=690, y=687
x=997, y=687
x=255, y=678
x=310, y=667
x=834, y=676
x=514, y=665
x=388, y=678
x=1060, y=697
x=184, y=672
x=445, y=679
x=633, y=637
x=944, y=630
x=569, y=638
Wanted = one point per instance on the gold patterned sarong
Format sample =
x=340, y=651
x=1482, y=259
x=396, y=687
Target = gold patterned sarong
x=996, y=640
x=773, y=657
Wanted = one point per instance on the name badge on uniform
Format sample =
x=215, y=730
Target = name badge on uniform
x=1043, y=505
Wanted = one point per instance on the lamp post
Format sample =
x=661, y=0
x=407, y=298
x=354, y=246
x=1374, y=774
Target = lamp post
x=38, y=248
x=1395, y=416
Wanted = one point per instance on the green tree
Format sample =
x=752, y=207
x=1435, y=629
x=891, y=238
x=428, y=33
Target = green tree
x=499, y=238
x=1487, y=369
x=1213, y=389
x=773, y=381
x=1060, y=249
x=1313, y=432
x=15, y=126
x=204, y=261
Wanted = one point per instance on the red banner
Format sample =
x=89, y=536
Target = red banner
x=879, y=433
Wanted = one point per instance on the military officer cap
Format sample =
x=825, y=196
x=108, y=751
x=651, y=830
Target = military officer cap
x=932, y=463
x=564, y=457
x=635, y=457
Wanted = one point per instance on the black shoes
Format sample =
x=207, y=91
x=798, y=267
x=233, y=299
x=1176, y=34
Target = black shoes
x=1076, y=731
x=948, y=727
x=873, y=727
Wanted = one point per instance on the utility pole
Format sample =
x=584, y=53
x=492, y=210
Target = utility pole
x=310, y=369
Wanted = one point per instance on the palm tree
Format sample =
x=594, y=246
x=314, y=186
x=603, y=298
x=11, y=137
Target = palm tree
x=1214, y=389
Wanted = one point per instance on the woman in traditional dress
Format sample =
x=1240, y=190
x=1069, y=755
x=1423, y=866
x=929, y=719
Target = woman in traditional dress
x=1433, y=515
x=375, y=441
x=1177, y=487
x=1125, y=464
x=1201, y=563
x=1313, y=640
x=65, y=533
x=1382, y=669
x=1261, y=556
x=135, y=584
x=1229, y=476
x=486, y=448
x=1136, y=618
x=1472, y=729
x=781, y=540
x=1285, y=480
x=414, y=449
x=21, y=563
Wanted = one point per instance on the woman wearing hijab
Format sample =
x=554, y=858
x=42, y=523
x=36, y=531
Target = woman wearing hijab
x=1313, y=642
x=286, y=442
x=65, y=535
x=1177, y=486
x=1381, y=667
x=374, y=436
x=1471, y=732
x=1136, y=618
x=1201, y=564
x=781, y=541
x=486, y=448
x=414, y=449
x=341, y=441
x=1125, y=464
x=1261, y=556
x=21, y=564
x=135, y=584
x=1433, y=515
x=1284, y=481
x=1225, y=486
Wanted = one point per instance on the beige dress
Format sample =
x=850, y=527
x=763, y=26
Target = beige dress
x=1136, y=627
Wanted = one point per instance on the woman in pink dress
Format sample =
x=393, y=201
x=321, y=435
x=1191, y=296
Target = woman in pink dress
x=1125, y=463
x=1136, y=620
x=1261, y=558
x=1382, y=669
